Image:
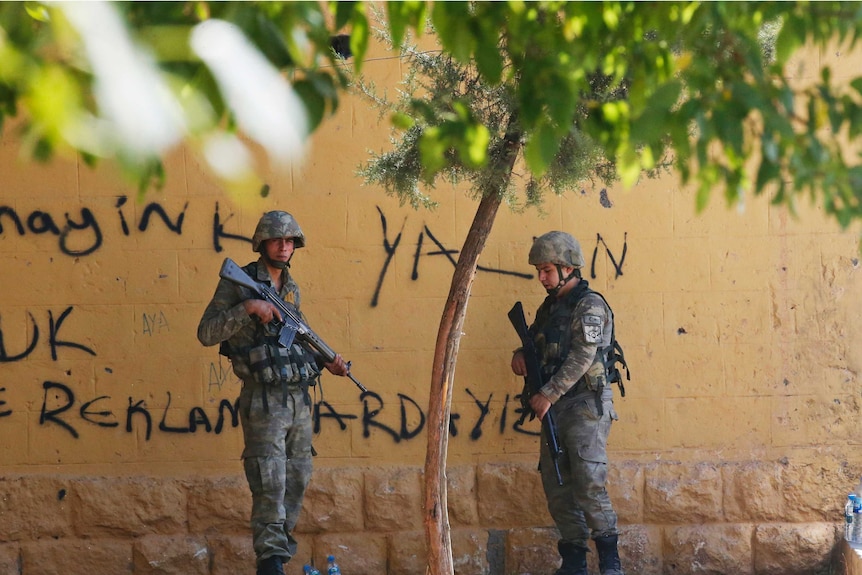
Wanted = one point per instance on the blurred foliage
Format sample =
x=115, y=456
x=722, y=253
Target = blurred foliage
x=451, y=122
x=713, y=84
x=45, y=71
x=638, y=81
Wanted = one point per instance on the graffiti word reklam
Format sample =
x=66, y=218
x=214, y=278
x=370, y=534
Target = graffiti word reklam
x=61, y=407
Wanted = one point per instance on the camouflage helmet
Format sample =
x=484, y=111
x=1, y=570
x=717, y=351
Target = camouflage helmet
x=557, y=248
x=277, y=224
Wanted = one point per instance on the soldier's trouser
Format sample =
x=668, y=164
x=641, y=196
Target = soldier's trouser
x=277, y=461
x=581, y=507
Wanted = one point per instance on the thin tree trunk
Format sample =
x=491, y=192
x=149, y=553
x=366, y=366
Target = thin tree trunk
x=442, y=379
x=443, y=373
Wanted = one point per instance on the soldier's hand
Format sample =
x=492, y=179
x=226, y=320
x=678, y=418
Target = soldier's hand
x=540, y=405
x=262, y=310
x=519, y=366
x=337, y=366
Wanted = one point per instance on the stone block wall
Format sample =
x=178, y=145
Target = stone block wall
x=851, y=559
x=744, y=518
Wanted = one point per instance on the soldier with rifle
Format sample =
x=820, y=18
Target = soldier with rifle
x=277, y=364
x=574, y=347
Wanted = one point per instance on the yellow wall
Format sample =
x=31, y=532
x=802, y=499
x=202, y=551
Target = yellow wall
x=740, y=326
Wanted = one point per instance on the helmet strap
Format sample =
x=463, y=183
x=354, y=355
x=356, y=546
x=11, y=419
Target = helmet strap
x=275, y=264
x=576, y=273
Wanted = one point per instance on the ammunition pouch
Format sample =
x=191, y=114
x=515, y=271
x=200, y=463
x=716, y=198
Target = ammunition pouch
x=291, y=367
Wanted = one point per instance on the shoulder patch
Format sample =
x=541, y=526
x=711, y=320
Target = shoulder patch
x=592, y=328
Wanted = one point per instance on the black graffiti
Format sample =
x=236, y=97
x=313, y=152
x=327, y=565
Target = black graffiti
x=62, y=400
x=62, y=408
x=441, y=250
x=524, y=415
x=123, y=225
x=34, y=339
x=390, y=252
x=53, y=339
x=39, y=222
x=503, y=414
x=218, y=375
x=83, y=235
x=406, y=433
x=6, y=412
x=453, y=424
x=369, y=416
x=47, y=415
x=155, y=323
x=618, y=267
x=219, y=233
x=154, y=208
x=197, y=417
x=476, y=432
x=319, y=415
x=448, y=253
x=55, y=328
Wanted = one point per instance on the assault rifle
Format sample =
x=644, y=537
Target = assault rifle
x=291, y=324
x=532, y=384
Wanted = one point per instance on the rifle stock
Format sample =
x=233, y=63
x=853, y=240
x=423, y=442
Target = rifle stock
x=532, y=384
x=292, y=324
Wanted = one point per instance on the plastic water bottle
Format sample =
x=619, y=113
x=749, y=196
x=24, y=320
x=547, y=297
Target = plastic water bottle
x=849, y=517
x=856, y=534
x=310, y=570
x=332, y=567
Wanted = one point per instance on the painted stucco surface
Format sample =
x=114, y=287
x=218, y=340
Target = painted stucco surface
x=738, y=438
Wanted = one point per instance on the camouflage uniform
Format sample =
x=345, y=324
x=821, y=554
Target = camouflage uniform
x=274, y=407
x=570, y=333
x=580, y=507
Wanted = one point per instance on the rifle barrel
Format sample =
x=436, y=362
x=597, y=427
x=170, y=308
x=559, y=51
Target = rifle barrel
x=232, y=272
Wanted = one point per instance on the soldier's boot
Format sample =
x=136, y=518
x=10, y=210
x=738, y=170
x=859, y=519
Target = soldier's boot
x=609, y=557
x=270, y=566
x=574, y=559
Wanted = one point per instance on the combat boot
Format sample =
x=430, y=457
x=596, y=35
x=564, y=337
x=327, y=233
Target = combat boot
x=270, y=566
x=609, y=557
x=574, y=559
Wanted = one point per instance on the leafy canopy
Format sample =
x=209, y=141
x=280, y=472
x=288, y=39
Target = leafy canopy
x=696, y=83
x=66, y=66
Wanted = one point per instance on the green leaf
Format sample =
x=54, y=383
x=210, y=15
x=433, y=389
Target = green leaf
x=315, y=103
x=404, y=14
x=473, y=150
x=489, y=60
x=323, y=83
x=433, y=152
x=359, y=36
x=702, y=197
x=767, y=172
x=541, y=149
x=402, y=121
x=452, y=23
x=424, y=110
x=653, y=124
x=37, y=11
x=666, y=96
x=270, y=41
x=343, y=13
x=786, y=44
x=628, y=166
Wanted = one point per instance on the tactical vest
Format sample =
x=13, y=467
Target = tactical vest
x=271, y=364
x=553, y=336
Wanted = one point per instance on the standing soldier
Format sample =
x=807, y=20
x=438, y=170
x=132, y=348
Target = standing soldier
x=573, y=332
x=274, y=404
